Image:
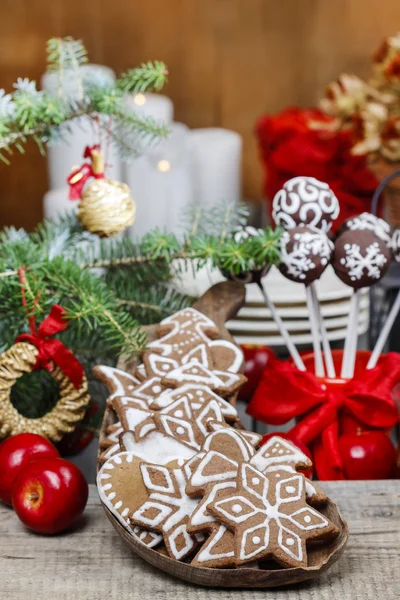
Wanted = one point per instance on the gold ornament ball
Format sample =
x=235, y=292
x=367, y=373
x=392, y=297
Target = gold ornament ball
x=106, y=207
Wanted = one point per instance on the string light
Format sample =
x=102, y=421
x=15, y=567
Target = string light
x=139, y=99
x=164, y=166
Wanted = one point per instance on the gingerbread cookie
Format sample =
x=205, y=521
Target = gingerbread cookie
x=197, y=395
x=168, y=508
x=118, y=382
x=184, y=330
x=221, y=382
x=218, y=549
x=270, y=517
x=156, y=447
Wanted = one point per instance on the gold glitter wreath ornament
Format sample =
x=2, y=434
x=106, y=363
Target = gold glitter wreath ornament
x=106, y=206
x=33, y=351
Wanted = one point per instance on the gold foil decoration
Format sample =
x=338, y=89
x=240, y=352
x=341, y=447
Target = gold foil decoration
x=106, y=207
x=62, y=419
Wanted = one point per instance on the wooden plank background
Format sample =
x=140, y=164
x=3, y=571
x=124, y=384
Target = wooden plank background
x=230, y=61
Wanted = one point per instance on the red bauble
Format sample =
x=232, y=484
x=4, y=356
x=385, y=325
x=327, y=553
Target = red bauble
x=49, y=494
x=15, y=453
x=367, y=455
x=256, y=358
x=300, y=445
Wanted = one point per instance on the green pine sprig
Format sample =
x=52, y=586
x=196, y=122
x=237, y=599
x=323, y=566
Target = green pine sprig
x=27, y=113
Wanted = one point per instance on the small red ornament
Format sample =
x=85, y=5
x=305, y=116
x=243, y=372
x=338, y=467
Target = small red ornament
x=15, y=453
x=256, y=358
x=367, y=455
x=287, y=436
x=49, y=494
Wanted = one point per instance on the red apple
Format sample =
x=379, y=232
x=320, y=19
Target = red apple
x=49, y=494
x=300, y=445
x=367, y=455
x=256, y=358
x=15, y=453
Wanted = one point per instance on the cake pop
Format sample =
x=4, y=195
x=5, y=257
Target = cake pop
x=370, y=222
x=361, y=258
x=394, y=311
x=395, y=245
x=305, y=254
x=305, y=201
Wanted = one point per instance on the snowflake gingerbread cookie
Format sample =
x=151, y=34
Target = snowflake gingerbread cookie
x=270, y=517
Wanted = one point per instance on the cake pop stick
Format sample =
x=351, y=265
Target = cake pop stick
x=330, y=367
x=361, y=259
x=305, y=201
x=282, y=329
x=305, y=254
x=394, y=311
x=255, y=276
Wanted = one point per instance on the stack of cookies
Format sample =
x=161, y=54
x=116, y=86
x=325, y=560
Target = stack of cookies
x=183, y=477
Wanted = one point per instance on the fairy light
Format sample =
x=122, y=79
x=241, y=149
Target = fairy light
x=139, y=99
x=164, y=166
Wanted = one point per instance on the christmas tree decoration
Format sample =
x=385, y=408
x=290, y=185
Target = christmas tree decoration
x=71, y=407
x=106, y=207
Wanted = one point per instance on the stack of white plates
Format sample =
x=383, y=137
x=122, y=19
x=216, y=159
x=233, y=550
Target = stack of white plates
x=254, y=323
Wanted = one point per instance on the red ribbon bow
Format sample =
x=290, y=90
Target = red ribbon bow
x=53, y=350
x=78, y=177
x=286, y=393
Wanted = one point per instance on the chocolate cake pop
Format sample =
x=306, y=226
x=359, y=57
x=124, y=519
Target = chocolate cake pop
x=305, y=201
x=361, y=258
x=395, y=245
x=305, y=254
x=370, y=222
x=254, y=275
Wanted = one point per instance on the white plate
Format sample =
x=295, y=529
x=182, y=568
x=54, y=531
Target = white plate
x=305, y=339
x=243, y=326
x=282, y=290
x=329, y=309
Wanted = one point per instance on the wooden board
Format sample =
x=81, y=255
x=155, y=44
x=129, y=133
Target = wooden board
x=230, y=61
x=93, y=562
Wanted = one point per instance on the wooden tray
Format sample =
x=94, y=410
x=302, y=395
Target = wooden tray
x=220, y=303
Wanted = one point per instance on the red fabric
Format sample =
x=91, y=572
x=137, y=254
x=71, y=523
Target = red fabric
x=290, y=146
x=53, y=350
x=286, y=393
x=78, y=177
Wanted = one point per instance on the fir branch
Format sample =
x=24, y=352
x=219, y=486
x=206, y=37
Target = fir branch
x=149, y=76
x=30, y=114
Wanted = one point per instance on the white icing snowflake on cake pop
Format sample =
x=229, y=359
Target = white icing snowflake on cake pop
x=305, y=201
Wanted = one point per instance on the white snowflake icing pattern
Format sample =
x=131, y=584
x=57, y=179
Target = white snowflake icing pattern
x=356, y=262
x=270, y=517
x=307, y=245
x=168, y=508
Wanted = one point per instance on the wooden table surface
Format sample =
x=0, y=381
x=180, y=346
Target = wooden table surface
x=93, y=563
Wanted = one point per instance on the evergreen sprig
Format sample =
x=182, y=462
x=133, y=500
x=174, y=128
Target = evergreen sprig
x=28, y=113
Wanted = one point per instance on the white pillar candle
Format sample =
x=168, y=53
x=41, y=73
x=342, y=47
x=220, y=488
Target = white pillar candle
x=161, y=184
x=216, y=165
x=56, y=203
x=156, y=106
x=68, y=152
